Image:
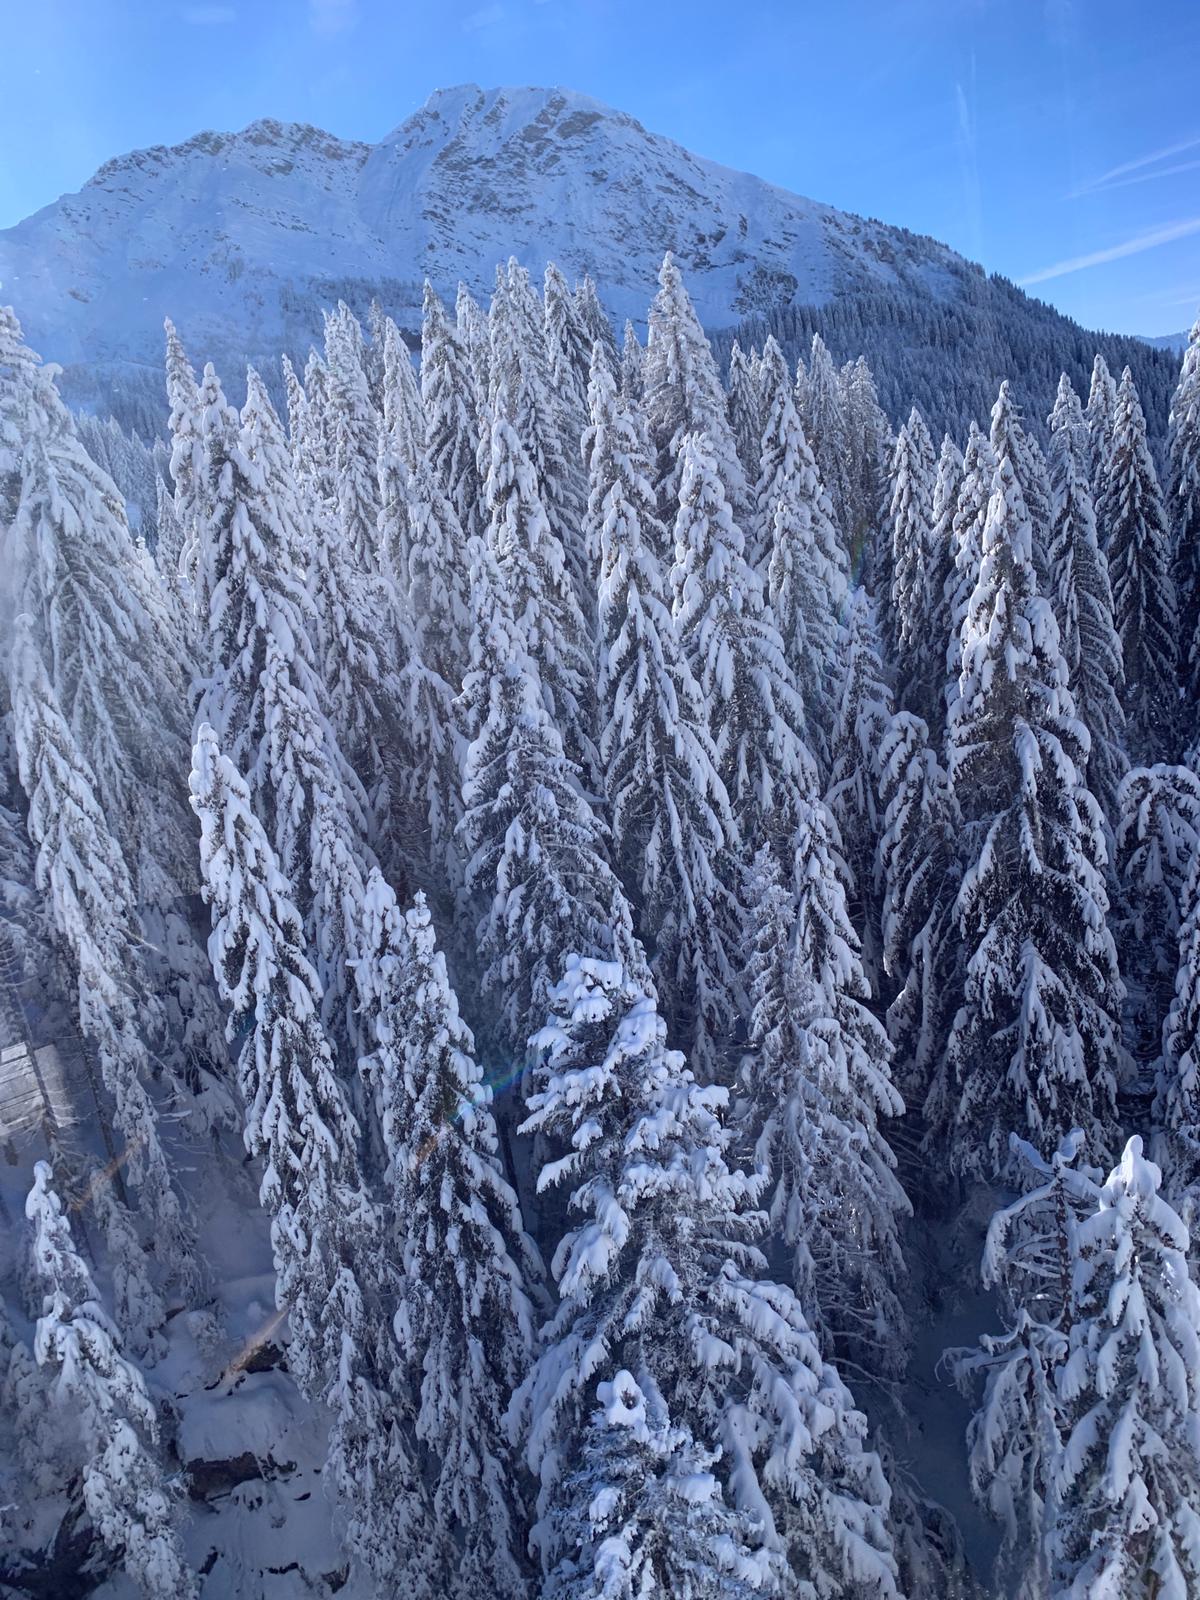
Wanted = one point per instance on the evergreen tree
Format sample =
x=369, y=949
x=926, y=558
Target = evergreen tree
x=825, y=430
x=535, y=853
x=1035, y=1045
x=868, y=450
x=660, y=1276
x=917, y=858
x=297, y=1119
x=447, y=392
x=852, y=795
x=568, y=349
x=353, y=425
x=1009, y=438
x=671, y=820
x=128, y=1498
x=1135, y=534
x=1100, y=414
x=1082, y=598
x=82, y=874
x=1176, y=1111
x=746, y=409
x=1183, y=499
x=594, y=321
x=906, y=619
x=641, y=1513
x=463, y=1320
x=966, y=535
x=547, y=426
x=633, y=357
x=1015, y=1437
x=1157, y=847
x=929, y=694
x=728, y=635
x=799, y=549
x=682, y=395
x=1127, y=1480
x=177, y=535
x=817, y=1082
x=543, y=602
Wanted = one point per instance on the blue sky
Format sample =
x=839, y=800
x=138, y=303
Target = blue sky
x=1058, y=143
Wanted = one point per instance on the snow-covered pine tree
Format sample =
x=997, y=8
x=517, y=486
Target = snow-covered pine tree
x=660, y=1276
x=297, y=1118
x=632, y=358
x=594, y=321
x=1035, y=1044
x=930, y=694
x=868, y=448
x=472, y=327
x=1009, y=438
x=799, y=549
x=746, y=409
x=825, y=429
x=641, y=1511
x=82, y=873
x=1099, y=416
x=568, y=349
x=1176, y=1109
x=262, y=696
x=671, y=821
x=1136, y=536
x=1014, y=1440
x=817, y=1082
x=1126, y=1516
x=1082, y=598
x=179, y=532
x=113, y=657
x=682, y=395
x=1157, y=827
x=402, y=409
x=966, y=534
x=1183, y=501
x=534, y=851
x=852, y=795
x=906, y=620
x=128, y=1498
x=755, y=714
x=548, y=429
x=917, y=866
x=447, y=393
x=544, y=606
x=463, y=1319
x=351, y=617
x=353, y=425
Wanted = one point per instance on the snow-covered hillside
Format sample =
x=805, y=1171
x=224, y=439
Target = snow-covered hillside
x=241, y=238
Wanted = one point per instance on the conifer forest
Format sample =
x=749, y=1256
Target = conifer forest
x=604, y=938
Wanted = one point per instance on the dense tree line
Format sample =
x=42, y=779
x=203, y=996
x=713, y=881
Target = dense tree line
x=797, y=816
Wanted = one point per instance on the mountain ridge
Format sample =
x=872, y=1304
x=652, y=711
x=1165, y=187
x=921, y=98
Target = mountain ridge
x=242, y=238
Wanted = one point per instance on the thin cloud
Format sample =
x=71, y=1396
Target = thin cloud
x=1144, y=177
x=1136, y=171
x=1116, y=252
x=208, y=16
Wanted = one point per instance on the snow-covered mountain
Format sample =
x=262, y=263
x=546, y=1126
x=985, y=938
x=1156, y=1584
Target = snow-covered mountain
x=241, y=237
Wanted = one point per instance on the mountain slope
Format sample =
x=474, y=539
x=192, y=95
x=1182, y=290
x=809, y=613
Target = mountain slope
x=242, y=238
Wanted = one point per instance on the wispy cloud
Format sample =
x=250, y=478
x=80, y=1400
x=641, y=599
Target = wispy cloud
x=1117, y=252
x=1145, y=169
x=208, y=16
x=328, y=17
